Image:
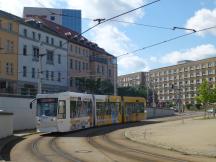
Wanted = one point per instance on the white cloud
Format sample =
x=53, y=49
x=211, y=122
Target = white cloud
x=112, y=39
x=108, y=8
x=132, y=63
x=16, y=6
x=203, y=18
x=199, y=52
x=107, y=36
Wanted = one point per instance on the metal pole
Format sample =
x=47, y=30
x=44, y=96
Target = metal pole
x=115, y=79
x=40, y=74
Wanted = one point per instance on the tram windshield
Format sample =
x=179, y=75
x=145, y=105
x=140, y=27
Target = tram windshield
x=47, y=107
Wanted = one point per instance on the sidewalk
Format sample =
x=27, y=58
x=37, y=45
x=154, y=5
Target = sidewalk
x=193, y=136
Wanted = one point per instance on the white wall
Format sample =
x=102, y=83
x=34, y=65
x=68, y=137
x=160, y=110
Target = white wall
x=159, y=112
x=6, y=124
x=23, y=116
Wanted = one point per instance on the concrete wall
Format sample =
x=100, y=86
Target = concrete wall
x=6, y=124
x=23, y=116
x=159, y=112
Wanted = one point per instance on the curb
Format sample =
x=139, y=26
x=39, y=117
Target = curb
x=157, y=145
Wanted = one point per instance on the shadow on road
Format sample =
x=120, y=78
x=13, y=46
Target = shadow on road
x=97, y=131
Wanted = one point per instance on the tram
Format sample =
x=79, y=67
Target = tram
x=68, y=111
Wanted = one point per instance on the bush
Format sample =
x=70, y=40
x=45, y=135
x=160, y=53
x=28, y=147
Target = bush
x=189, y=106
x=198, y=106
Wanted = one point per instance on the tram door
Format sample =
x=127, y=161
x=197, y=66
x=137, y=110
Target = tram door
x=62, y=121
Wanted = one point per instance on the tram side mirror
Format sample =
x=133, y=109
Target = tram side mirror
x=31, y=105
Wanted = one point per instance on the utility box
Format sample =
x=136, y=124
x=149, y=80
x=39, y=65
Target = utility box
x=6, y=124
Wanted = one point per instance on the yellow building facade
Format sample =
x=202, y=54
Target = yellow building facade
x=9, y=29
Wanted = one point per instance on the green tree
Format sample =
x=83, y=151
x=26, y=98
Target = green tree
x=206, y=95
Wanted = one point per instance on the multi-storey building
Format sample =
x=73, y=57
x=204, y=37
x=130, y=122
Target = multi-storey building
x=133, y=79
x=9, y=27
x=34, y=40
x=85, y=58
x=180, y=82
x=66, y=56
x=66, y=17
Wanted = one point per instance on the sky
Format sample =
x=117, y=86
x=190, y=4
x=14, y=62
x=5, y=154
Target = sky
x=120, y=38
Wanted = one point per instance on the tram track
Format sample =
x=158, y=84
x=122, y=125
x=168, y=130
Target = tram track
x=36, y=151
x=108, y=139
x=124, y=153
x=55, y=150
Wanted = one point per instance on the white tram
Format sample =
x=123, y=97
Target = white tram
x=68, y=111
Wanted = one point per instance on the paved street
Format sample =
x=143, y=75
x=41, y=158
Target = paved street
x=105, y=144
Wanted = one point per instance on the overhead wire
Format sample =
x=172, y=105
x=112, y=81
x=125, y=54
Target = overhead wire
x=165, y=41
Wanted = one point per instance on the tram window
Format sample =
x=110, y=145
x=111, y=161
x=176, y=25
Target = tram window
x=101, y=110
x=88, y=107
x=62, y=109
x=73, y=111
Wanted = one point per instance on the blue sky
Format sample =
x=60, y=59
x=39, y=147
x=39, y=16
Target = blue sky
x=119, y=38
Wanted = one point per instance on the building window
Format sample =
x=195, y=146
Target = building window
x=59, y=76
x=79, y=65
x=76, y=49
x=60, y=43
x=86, y=66
x=71, y=48
x=52, y=18
x=24, y=50
x=7, y=68
x=33, y=72
x=33, y=35
x=39, y=36
x=110, y=73
x=52, y=41
x=24, y=71
x=35, y=53
x=50, y=57
x=47, y=75
x=83, y=65
x=71, y=63
x=76, y=67
x=25, y=32
x=9, y=46
x=11, y=69
x=98, y=69
x=71, y=82
x=47, y=39
x=10, y=27
x=59, y=59
x=103, y=69
x=52, y=75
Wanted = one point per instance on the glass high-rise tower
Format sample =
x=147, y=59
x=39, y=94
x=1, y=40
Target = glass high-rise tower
x=69, y=18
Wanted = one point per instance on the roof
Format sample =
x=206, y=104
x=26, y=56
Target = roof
x=55, y=29
x=72, y=35
x=183, y=64
x=30, y=22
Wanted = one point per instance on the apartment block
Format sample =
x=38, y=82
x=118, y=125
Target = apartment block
x=133, y=79
x=34, y=40
x=9, y=28
x=180, y=82
x=85, y=58
x=66, y=56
